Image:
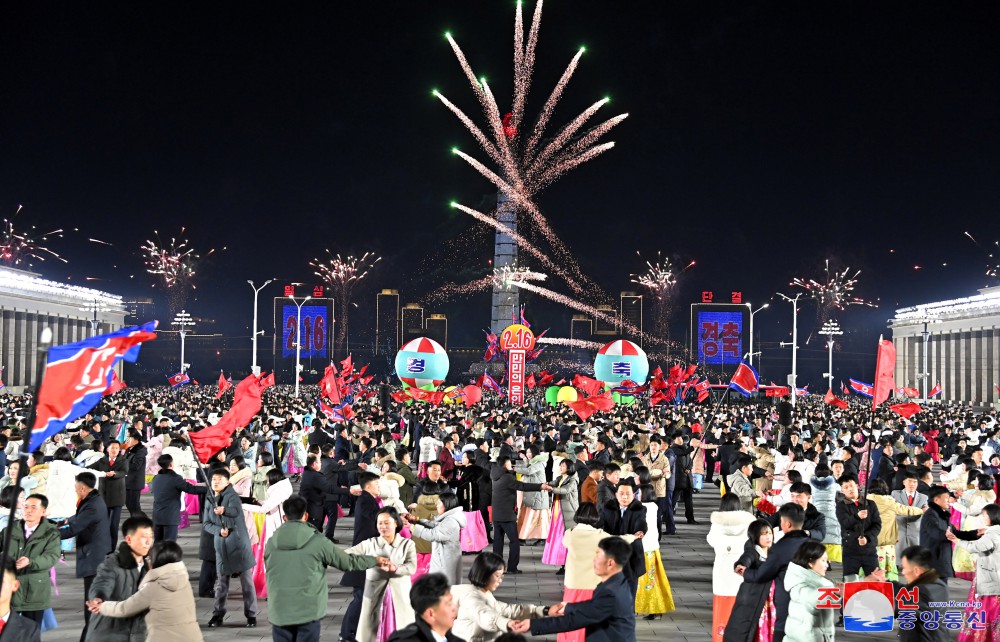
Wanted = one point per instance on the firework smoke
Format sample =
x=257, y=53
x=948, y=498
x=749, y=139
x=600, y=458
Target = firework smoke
x=341, y=274
x=174, y=267
x=660, y=281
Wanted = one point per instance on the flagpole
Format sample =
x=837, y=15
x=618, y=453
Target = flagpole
x=201, y=467
x=44, y=343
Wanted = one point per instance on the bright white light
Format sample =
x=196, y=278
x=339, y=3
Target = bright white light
x=25, y=284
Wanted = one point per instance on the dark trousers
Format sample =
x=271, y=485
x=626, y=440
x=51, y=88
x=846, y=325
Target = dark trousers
x=166, y=532
x=510, y=530
x=330, y=512
x=308, y=632
x=87, y=581
x=132, y=501
x=485, y=512
x=349, y=627
x=114, y=524
x=856, y=561
x=36, y=616
x=778, y=636
x=206, y=580
x=709, y=466
x=665, y=515
x=684, y=494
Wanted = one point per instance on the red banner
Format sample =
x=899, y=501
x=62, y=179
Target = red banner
x=515, y=376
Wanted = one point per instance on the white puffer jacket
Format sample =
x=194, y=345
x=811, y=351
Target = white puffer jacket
x=728, y=536
x=987, y=552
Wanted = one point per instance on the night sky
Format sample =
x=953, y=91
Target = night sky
x=763, y=138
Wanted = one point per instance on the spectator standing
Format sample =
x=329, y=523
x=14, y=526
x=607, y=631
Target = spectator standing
x=34, y=547
x=117, y=579
x=167, y=487
x=135, y=478
x=233, y=555
x=90, y=527
x=728, y=537
x=112, y=486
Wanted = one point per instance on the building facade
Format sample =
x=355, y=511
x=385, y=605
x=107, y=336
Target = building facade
x=955, y=343
x=29, y=304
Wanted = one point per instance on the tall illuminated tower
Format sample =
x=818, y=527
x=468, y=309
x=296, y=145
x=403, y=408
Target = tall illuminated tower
x=505, y=299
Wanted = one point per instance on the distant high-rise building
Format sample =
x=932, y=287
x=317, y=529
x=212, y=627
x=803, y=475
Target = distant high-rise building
x=606, y=328
x=437, y=329
x=631, y=314
x=505, y=297
x=413, y=321
x=388, y=327
x=581, y=328
x=139, y=310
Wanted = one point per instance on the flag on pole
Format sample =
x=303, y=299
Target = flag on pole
x=832, y=400
x=885, y=371
x=178, y=380
x=246, y=404
x=115, y=385
x=745, y=380
x=909, y=392
x=224, y=385
x=844, y=389
x=935, y=391
x=802, y=392
x=862, y=388
x=77, y=374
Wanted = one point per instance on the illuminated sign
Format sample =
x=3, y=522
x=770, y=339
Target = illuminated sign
x=315, y=322
x=718, y=332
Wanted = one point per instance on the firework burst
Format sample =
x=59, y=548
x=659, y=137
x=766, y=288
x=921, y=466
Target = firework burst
x=22, y=249
x=341, y=274
x=174, y=266
x=660, y=281
x=526, y=164
x=835, y=292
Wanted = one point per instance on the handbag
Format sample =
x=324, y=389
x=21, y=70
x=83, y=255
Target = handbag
x=697, y=481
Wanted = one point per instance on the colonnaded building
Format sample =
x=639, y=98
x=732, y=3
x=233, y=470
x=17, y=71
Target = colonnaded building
x=29, y=303
x=955, y=343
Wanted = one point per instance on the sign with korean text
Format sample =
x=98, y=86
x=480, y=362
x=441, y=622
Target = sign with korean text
x=719, y=332
x=516, y=340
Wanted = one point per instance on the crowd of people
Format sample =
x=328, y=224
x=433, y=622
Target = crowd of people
x=443, y=498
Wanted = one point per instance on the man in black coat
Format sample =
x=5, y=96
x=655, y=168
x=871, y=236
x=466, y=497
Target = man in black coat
x=627, y=516
x=336, y=474
x=860, y=524
x=365, y=514
x=505, y=487
x=90, y=528
x=167, y=487
x=791, y=519
x=683, y=488
x=135, y=479
x=319, y=491
x=934, y=530
x=114, y=466
x=917, y=571
x=814, y=524
x=17, y=628
x=436, y=610
x=609, y=615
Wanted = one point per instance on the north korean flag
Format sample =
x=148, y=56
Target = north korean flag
x=935, y=391
x=862, y=388
x=745, y=380
x=178, y=380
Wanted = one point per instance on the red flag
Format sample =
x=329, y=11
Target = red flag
x=267, y=382
x=588, y=385
x=328, y=385
x=529, y=383
x=656, y=398
x=909, y=392
x=885, y=369
x=703, y=395
x=367, y=380
x=906, y=409
x=246, y=404
x=430, y=396
x=587, y=406
x=347, y=365
x=935, y=391
x=116, y=385
x=831, y=399
x=400, y=397
x=544, y=378
x=658, y=373
x=224, y=385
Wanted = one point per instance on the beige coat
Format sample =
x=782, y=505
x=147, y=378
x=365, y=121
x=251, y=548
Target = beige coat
x=166, y=593
x=889, y=509
x=403, y=553
x=481, y=617
x=659, y=470
x=581, y=546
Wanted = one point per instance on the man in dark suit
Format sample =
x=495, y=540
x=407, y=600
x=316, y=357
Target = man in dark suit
x=90, y=528
x=114, y=467
x=608, y=616
x=135, y=479
x=15, y=627
x=319, y=491
x=167, y=487
x=792, y=517
x=336, y=474
x=860, y=524
x=365, y=514
x=627, y=516
x=934, y=527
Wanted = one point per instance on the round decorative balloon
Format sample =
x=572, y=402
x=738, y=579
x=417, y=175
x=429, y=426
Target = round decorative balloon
x=422, y=362
x=620, y=361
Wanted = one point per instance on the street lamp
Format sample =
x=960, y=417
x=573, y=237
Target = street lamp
x=830, y=330
x=183, y=321
x=298, y=339
x=753, y=312
x=254, y=367
x=795, y=343
x=95, y=307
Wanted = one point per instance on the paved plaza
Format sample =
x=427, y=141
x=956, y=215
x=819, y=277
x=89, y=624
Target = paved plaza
x=687, y=557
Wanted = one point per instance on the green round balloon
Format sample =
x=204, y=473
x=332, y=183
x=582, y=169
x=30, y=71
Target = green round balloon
x=552, y=395
x=627, y=400
x=616, y=397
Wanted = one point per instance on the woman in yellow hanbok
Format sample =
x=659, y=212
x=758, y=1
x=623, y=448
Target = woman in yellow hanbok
x=653, y=597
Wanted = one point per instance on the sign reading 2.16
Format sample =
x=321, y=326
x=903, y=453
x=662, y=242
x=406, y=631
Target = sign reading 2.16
x=517, y=337
x=516, y=340
x=315, y=321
